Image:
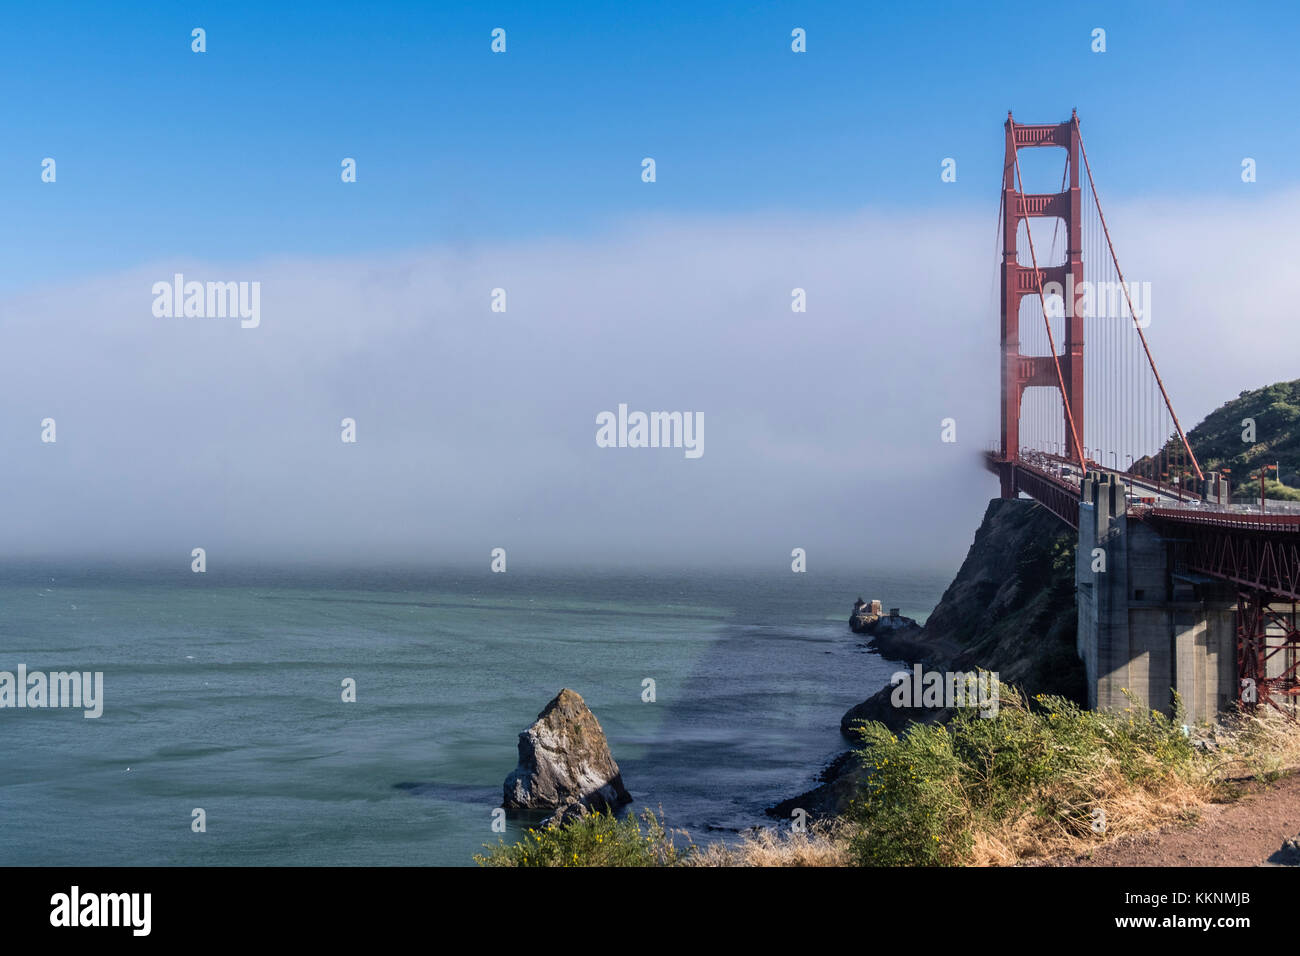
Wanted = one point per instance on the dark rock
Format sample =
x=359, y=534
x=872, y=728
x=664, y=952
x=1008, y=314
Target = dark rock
x=565, y=760
x=903, y=644
x=840, y=782
x=1010, y=609
x=566, y=814
x=869, y=619
x=1289, y=854
x=862, y=616
x=881, y=708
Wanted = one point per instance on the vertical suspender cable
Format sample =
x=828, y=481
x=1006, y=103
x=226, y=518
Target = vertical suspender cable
x=1119, y=273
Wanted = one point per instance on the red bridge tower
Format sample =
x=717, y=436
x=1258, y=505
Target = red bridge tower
x=1063, y=371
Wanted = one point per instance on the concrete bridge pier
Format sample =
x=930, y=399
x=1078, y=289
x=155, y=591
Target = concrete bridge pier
x=1143, y=626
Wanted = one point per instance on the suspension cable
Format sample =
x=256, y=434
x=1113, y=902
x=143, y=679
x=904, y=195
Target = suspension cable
x=1124, y=286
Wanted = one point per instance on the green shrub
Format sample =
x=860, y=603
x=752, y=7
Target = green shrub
x=1046, y=766
x=599, y=839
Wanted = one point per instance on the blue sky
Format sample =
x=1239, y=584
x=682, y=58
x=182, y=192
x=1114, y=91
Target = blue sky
x=776, y=171
x=234, y=154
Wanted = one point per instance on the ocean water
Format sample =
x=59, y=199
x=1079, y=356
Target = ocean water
x=223, y=691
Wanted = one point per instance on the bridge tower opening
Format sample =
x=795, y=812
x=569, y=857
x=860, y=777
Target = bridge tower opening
x=1064, y=370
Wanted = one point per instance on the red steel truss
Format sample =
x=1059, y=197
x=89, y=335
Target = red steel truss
x=1259, y=552
x=1268, y=652
x=1059, y=497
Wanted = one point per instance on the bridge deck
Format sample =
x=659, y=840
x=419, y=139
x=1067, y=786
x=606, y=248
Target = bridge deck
x=1234, y=543
x=1050, y=477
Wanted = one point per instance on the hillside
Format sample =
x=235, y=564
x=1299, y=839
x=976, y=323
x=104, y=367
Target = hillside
x=1219, y=444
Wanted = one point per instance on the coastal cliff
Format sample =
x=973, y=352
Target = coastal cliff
x=1009, y=609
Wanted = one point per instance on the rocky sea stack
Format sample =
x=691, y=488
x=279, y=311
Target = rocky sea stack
x=870, y=618
x=565, y=763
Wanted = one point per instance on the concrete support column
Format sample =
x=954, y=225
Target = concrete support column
x=1143, y=628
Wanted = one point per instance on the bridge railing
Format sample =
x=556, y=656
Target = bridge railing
x=1158, y=496
x=1241, y=521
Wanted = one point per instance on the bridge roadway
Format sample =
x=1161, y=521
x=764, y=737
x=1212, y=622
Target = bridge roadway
x=1239, y=543
x=1038, y=471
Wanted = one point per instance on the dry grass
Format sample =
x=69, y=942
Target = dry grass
x=1261, y=746
x=1127, y=810
x=822, y=844
x=1046, y=778
x=1265, y=745
x=1134, y=800
x=1029, y=785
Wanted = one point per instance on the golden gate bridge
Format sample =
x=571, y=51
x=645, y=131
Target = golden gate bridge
x=1076, y=419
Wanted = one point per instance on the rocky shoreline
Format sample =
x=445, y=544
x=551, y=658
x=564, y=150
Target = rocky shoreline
x=1010, y=609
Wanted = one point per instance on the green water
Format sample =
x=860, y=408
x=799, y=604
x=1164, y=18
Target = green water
x=223, y=692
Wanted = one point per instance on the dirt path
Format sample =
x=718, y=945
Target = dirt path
x=1246, y=832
